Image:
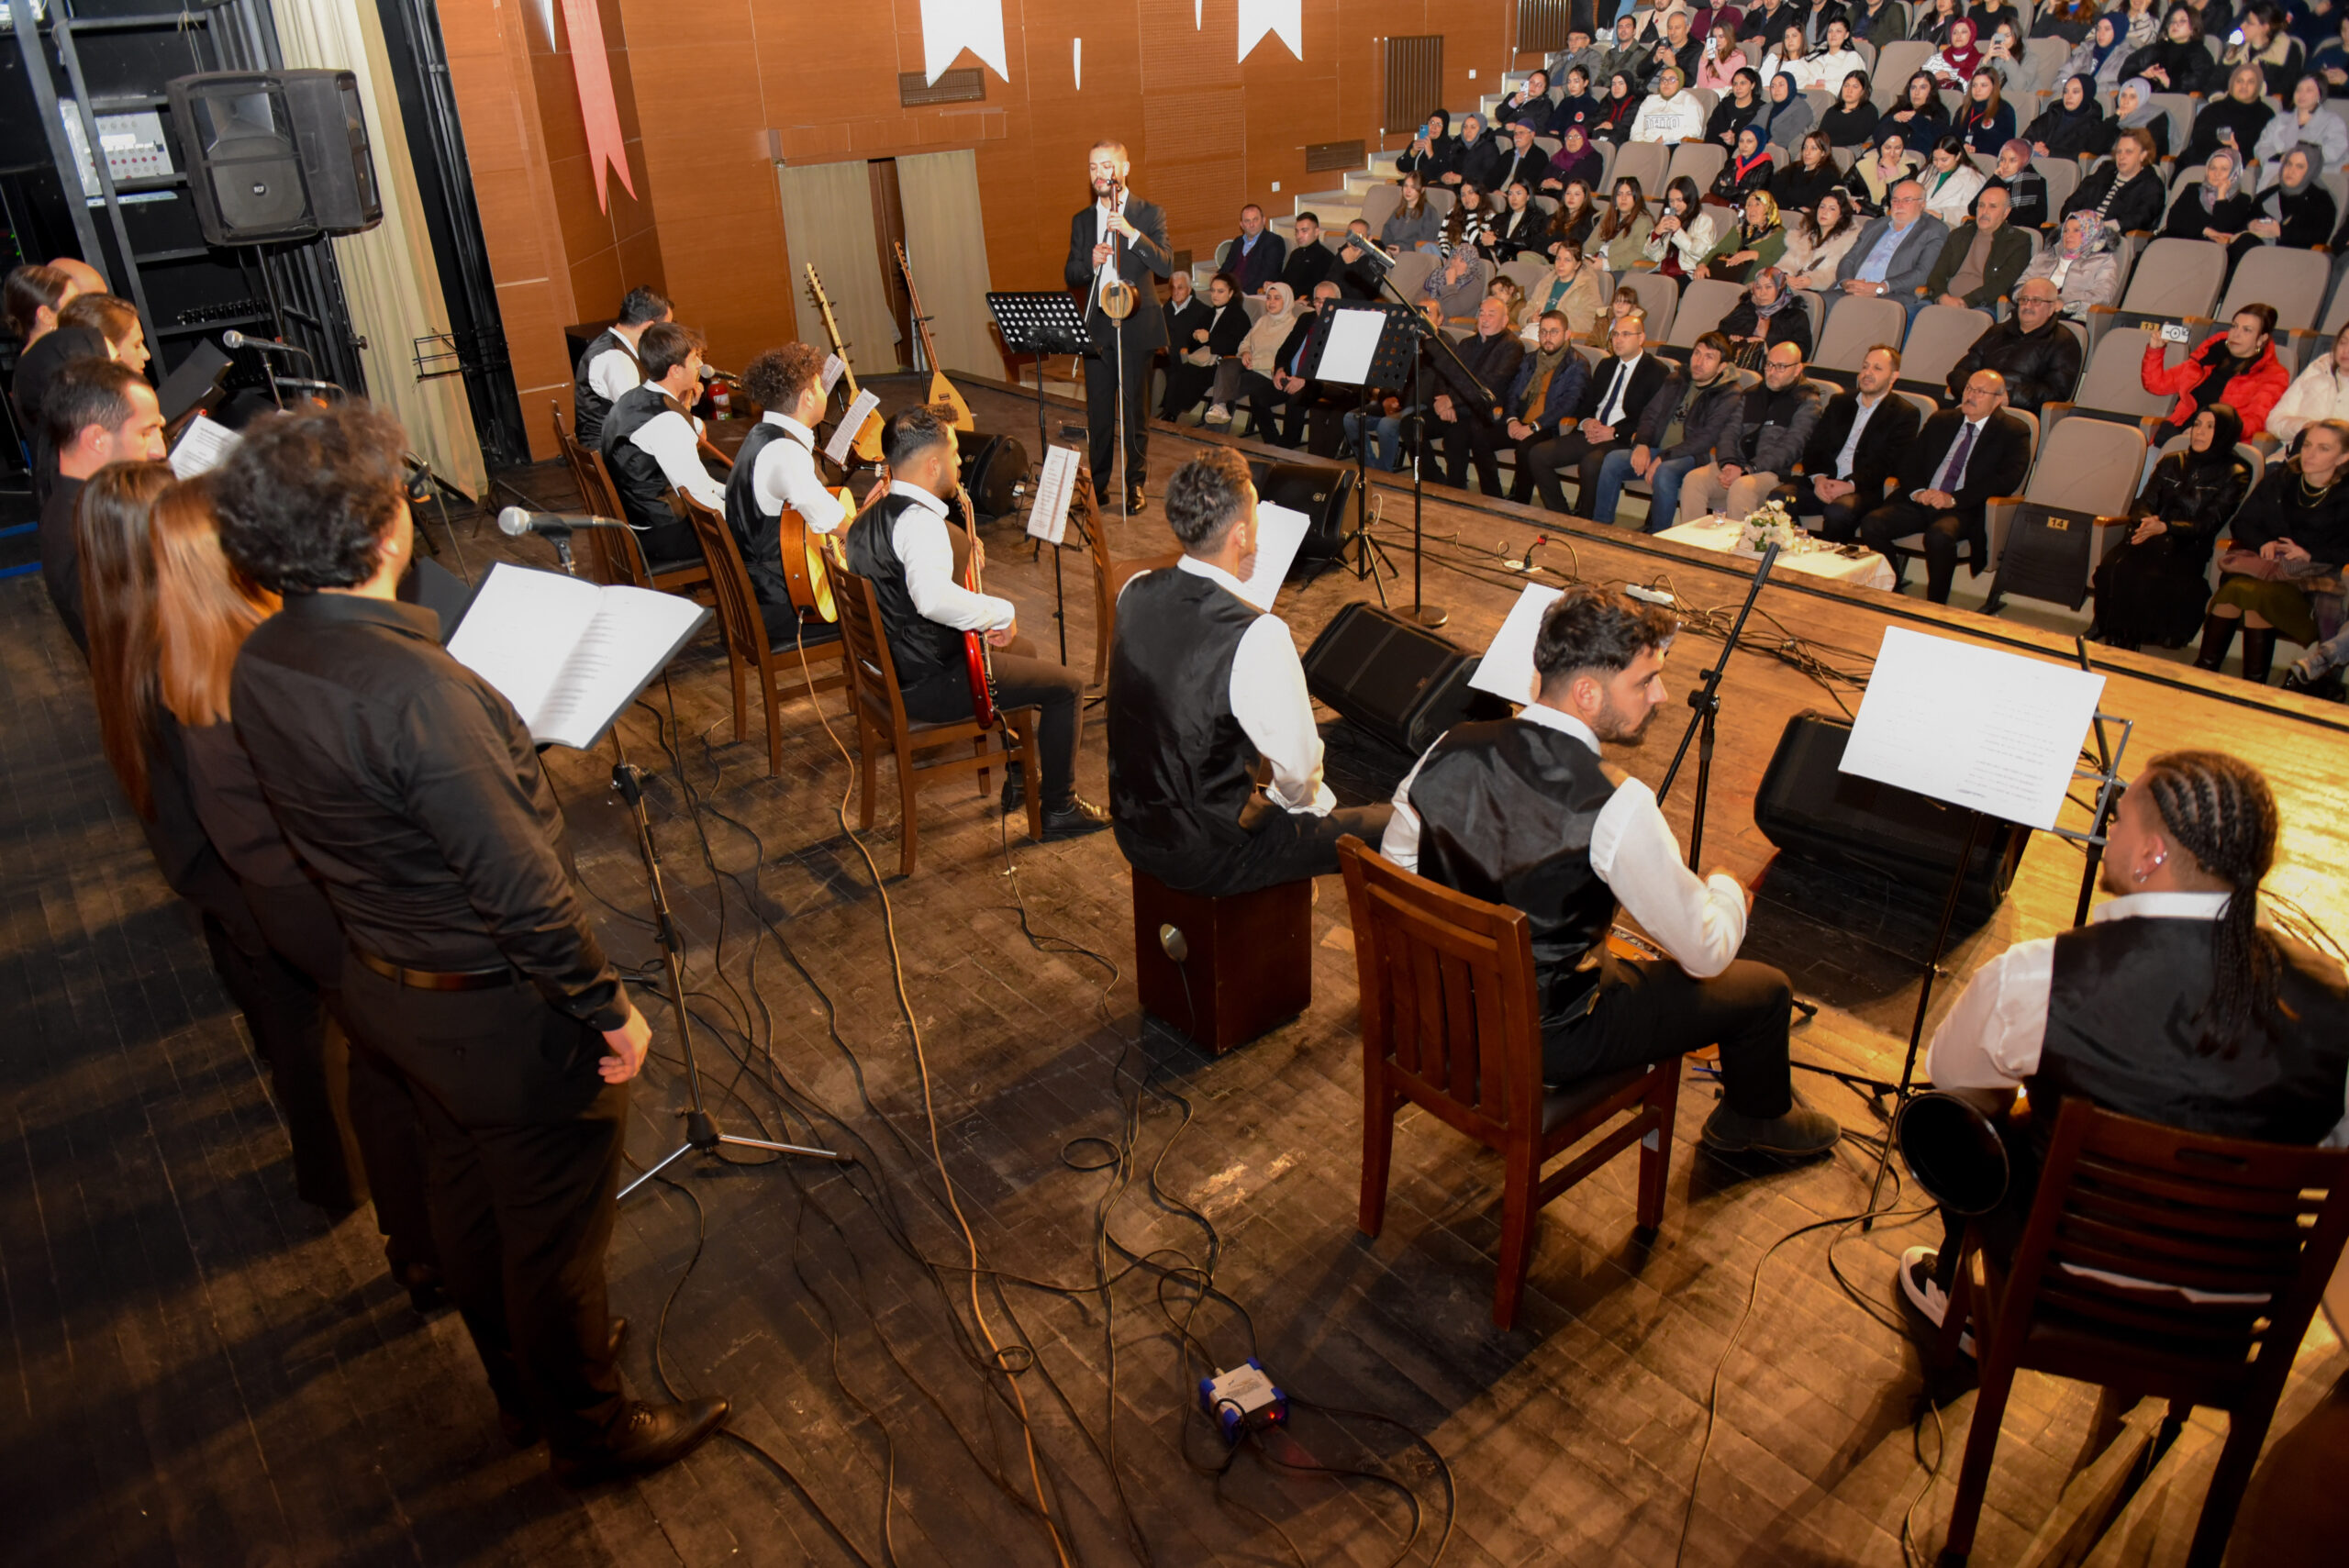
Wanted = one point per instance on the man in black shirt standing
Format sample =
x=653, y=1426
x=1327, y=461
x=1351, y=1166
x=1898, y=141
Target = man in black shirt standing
x=412, y=789
x=96, y=412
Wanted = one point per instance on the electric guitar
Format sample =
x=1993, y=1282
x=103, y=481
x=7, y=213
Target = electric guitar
x=942, y=391
x=867, y=445
x=975, y=653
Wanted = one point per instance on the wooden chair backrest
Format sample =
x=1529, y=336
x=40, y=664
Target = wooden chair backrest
x=2181, y=1209
x=873, y=674
x=729, y=581
x=620, y=555
x=605, y=556
x=1447, y=997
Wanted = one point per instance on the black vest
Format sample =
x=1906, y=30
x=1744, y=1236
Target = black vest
x=637, y=473
x=1506, y=812
x=1182, y=794
x=2123, y=1029
x=754, y=531
x=588, y=407
x=923, y=649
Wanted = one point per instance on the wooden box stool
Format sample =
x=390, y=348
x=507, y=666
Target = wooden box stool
x=1245, y=962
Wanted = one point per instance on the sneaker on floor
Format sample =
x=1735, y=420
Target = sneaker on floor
x=1799, y=1134
x=1925, y=1294
x=1218, y=414
x=1073, y=820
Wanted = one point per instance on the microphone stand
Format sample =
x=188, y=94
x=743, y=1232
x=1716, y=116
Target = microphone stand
x=1427, y=615
x=1706, y=699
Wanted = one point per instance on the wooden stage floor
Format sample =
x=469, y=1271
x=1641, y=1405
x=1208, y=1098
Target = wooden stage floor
x=201, y=1370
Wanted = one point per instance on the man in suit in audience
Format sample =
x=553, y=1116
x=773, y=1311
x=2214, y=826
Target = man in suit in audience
x=1854, y=449
x=1187, y=313
x=1257, y=254
x=1310, y=261
x=1963, y=457
x=1298, y=391
x=1542, y=399
x=1357, y=275
x=2033, y=351
x=1894, y=254
x=1612, y=401
x=1492, y=356
x=1980, y=262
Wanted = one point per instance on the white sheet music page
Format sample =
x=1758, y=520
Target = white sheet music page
x=632, y=634
x=1351, y=347
x=1506, y=670
x=517, y=628
x=1280, y=531
x=1973, y=726
x=850, y=423
x=833, y=365
x=1048, y=518
x=202, y=446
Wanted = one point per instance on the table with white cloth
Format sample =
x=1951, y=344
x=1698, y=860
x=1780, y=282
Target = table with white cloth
x=1868, y=568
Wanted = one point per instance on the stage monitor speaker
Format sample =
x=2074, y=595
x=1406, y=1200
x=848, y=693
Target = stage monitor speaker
x=1394, y=678
x=994, y=468
x=1813, y=810
x=1321, y=494
x=276, y=155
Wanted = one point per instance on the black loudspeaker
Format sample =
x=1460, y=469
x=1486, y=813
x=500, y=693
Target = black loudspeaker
x=1321, y=494
x=274, y=155
x=1811, y=809
x=1394, y=678
x=994, y=468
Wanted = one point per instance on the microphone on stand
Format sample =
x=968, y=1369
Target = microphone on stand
x=514, y=522
x=232, y=339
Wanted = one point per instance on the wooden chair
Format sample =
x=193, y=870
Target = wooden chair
x=2178, y=1211
x=1449, y=1023
x=881, y=722
x=608, y=559
x=751, y=654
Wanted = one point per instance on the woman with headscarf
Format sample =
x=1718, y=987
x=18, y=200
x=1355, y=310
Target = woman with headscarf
x=1748, y=170
x=2135, y=111
x=2295, y=212
x=1825, y=67
x=2071, y=124
x=2233, y=122
x=1852, y=119
x=2216, y=208
x=1891, y=164
x=1721, y=59
x=2153, y=586
x=2025, y=186
x=1618, y=111
x=1951, y=182
x=1736, y=109
x=2081, y=265
x=1785, y=116
x=2178, y=61
x=1621, y=237
x=1684, y=236
x=2099, y=55
x=1756, y=241
x=2282, y=568
x=1953, y=64
x=2127, y=192
x=1987, y=121
x=1919, y=116
x=2303, y=120
x=1768, y=316
x=1434, y=152
x=1249, y=372
x=1807, y=176
x=1575, y=159
x=2262, y=41
x=1818, y=240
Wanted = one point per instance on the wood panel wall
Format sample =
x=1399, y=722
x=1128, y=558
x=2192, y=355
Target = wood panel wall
x=712, y=91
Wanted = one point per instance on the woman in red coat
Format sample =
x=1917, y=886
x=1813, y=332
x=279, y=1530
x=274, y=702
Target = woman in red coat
x=2237, y=367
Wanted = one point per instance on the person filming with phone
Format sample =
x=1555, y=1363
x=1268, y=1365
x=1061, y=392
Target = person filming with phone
x=2237, y=367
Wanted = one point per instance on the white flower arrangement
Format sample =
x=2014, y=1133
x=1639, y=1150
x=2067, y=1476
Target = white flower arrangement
x=1771, y=524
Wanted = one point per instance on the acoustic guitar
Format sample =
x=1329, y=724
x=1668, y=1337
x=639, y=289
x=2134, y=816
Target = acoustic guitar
x=942, y=391
x=867, y=445
x=803, y=572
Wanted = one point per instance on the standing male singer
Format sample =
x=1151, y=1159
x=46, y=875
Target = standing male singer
x=1119, y=237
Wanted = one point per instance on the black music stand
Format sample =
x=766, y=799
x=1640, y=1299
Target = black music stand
x=1042, y=324
x=1389, y=370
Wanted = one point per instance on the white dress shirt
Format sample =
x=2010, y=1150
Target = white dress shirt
x=1104, y=215
x=1851, y=452
x=919, y=538
x=1618, y=386
x=615, y=371
x=1268, y=697
x=787, y=476
x=673, y=440
x=1702, y=923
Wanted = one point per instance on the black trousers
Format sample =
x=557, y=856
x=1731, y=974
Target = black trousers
x=1651, y=1010
x=302, y=929
x=288, y=1019
x=1021, y=680
x=1101, y=414
x=1470, y=441
x=1287, y=846
x=1838, y=520
x=1943, y=531
x=1186, y=385
x=522, y=1144
x=1549, y=459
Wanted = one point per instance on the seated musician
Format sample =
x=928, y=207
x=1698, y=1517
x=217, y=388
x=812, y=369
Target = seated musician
x=2173, y=1004
x=611, y=365
x=1522, y=812
x=901, y=544
x=653, y=445
x=775, y=470
x=1204, y=688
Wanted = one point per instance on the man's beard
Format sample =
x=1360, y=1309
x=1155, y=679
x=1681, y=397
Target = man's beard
x=1612, y=727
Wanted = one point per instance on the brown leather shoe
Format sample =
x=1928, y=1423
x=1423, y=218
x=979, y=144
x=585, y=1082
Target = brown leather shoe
x=647, y=1438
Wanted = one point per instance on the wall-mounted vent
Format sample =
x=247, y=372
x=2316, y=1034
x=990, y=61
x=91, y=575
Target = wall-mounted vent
x=1414, y=80
x=966, y=85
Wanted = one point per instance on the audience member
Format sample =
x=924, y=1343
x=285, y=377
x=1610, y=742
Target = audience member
x=1951, y=182
x=1824, y=68
x=1309, y=260
x=2073, y=125
x=1256, y=255
x=2070, y=20
x=1705, y=400
x=1414, y=225
x=1521, y=229
x=2025, y=186
x=1684, y=236
x=1773, y=429
x=1918, y=115
x=1524, y=163
x=1527, y=106
x=2282, y=567
x=1963, y=457
x=94, y=412
x=1671, y=115
x=2319, y=392
x=2177, y=62
x=1299, y=394
x=1769, y=314
x=2237, y=367
x=1735, y=110
x=1542, y=399
x=1380, y=436
x=2081, y=265
x=2133, y=109
x=1470, y=422
x=1433, y=152
x=1987, y=121
x=1358, y=275
x=1577, y=215
x=1951, y=64
x=1579, y=107
x=1876, y=173
x=2034, y=351
x=1582, y=53
x=1719, y=60
x=1787, y=115
x=1878, y=21
x=1786, y=54
x=1978, y=265
x=1618, y=112
x=2153, y=584
x=1852, y=119
x=1755, y=242
x=2096, y=63
x=1208, y=335
x=1855, y=451
x=2262, y=43
x=1459, y=284
x=2295, y=212
x=2233, y=122
x=1573, y=291
x=1818, y=240
x=1623, y=232
x=1617, y=397
x=1576, y=162
x=1247, y=375
x=1480, y=159
x=1807, y=176
x=1746, y=171
x=1894, y=254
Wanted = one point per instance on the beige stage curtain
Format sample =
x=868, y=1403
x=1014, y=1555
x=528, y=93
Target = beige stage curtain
x=946, y=241
x=388, y=276
x=827, y=221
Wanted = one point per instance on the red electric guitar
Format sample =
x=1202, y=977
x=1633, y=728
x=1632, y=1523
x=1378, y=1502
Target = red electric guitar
x=974, y=643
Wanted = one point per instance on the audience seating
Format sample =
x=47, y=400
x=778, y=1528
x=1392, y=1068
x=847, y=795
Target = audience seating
x=751, y=654
x=1699, y=311
x=2090, y=467
x=2113, y=387
x=1411, y=271
x=2063, y=177
x=2122, y=1201
x=2173, y=280
x=1660, y=296
x=1450, y=1024
x=1896, y=62
x=1531, y=275
x=1699, y=161
x=1856, y=325
x=1645, y=162
x=1378, y=204
x=2291, y=280
x=1938, y=339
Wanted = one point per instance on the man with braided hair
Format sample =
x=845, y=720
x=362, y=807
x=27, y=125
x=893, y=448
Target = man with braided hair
x=2173, y=1004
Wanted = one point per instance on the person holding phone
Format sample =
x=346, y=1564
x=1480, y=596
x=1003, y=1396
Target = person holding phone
x=2237, y=367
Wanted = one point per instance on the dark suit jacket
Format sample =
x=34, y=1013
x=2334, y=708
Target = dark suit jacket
x=1647, y=379
x=2010, y=254
x=1180, y=324
x=1998, y=464
x=1889, y=430
x=1139, y=263
x=1492, y=361
x=1258, y=267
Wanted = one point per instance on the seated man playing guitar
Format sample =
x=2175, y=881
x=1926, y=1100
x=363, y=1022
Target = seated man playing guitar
x=775, y=473
x=899, y=544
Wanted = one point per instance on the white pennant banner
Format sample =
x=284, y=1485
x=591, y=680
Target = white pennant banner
x=1285, y=18
x=950, y=26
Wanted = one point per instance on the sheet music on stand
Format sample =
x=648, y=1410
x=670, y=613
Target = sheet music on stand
x=1048, y=517
x=1363, y=343
x=834, y=366
x=1506, y=670
x=201, y=447
x=844, y=434
x=1039, y=323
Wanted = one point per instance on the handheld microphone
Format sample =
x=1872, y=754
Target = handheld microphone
x=516, y=522
x=232, y=339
